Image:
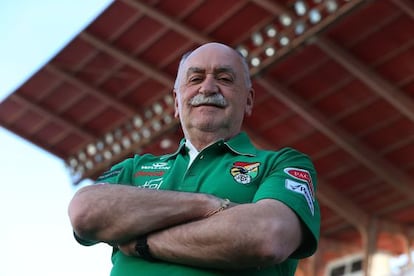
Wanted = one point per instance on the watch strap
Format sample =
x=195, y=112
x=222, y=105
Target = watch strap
x=142, y=248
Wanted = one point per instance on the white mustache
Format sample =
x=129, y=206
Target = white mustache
x=214, y=99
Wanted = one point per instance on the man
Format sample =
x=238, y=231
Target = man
x=218, y=205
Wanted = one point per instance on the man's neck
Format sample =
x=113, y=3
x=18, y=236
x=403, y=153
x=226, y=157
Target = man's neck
x=202, y=140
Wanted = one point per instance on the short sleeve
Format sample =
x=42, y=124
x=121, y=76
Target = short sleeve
x=120, y=173
x=292, y=180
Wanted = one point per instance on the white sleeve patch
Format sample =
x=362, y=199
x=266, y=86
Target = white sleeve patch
x=302, y=189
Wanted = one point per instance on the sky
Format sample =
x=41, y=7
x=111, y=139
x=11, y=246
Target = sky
x=35, y=189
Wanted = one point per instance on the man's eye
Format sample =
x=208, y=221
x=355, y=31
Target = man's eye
x=226, y=79
x=195, y=79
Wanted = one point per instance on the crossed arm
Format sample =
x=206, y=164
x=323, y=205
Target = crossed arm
x=245, y=235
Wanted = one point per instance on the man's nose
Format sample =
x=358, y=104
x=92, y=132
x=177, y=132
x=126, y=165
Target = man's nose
x=209, y=85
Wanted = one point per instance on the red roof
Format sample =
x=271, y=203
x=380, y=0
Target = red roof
x=342, y=91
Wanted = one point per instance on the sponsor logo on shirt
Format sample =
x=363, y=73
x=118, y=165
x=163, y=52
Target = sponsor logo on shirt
x=244, y=172
x=302, y=175
x=153, y=184
x=149, y=173
x=303, y=186
x=302, y=189
x=156, y=166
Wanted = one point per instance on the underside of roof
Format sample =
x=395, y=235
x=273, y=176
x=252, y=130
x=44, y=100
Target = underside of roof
x=333, y=79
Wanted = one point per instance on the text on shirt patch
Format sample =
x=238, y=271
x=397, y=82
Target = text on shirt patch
x=153, y=184
x=244, y=172
x=109, y=174
x=156, y=166
x=302, y=189
x=302, y=175
x=149, y=173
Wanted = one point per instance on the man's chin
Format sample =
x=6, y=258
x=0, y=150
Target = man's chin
x=207, y=122
x=207, y=110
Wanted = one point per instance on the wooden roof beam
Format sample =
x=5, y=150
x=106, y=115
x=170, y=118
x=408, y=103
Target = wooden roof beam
x=128, y=59
x=273, y=7
x=383, y=169
x=194, y=35
x=52, y=116
x=308, y=34
x=109, y=100
x=342, y=206
x=406, y=6
x=381, y=87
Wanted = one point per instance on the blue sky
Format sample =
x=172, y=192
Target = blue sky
x=35, y=190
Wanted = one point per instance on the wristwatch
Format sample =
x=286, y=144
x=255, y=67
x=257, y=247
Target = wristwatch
x=142, y=249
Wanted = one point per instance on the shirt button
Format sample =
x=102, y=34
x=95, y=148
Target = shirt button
x=201, y=157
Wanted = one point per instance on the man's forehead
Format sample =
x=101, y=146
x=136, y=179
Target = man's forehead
x=212, y=57
x=214, y=68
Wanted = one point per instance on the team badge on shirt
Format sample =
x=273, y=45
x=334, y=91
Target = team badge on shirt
x=244, y=172
x=303, y=186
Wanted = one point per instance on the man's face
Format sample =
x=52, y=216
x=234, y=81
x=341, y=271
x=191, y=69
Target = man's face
x=213, y=95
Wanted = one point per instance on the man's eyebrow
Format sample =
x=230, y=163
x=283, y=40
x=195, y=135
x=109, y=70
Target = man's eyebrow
x=225, y=69
x=218, y=70
x=195, y=70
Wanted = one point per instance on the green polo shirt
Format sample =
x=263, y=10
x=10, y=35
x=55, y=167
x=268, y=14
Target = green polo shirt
x=232, y=169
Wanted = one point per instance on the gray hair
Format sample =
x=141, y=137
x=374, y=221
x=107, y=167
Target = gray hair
x=180, y=68
x=246, y=69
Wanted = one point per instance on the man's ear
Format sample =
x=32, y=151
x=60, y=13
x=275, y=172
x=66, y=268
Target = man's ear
x=249, y=102
x=176, y=114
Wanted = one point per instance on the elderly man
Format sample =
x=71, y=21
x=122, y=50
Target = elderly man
x=218, y=205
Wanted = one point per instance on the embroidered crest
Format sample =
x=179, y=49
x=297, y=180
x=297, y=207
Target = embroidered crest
x=244, y=172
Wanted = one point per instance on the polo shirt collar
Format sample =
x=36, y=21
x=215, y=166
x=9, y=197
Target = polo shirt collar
x=239, y=144
x=181, y=148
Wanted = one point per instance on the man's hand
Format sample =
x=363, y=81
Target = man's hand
x=128, y=248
